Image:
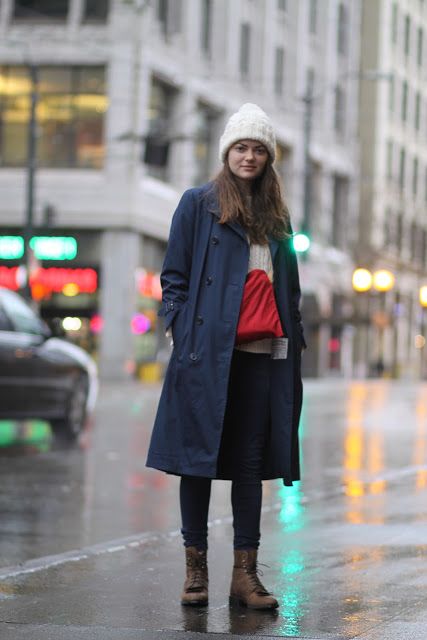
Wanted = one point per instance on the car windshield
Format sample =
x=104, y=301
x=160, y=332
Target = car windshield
x=21, y=316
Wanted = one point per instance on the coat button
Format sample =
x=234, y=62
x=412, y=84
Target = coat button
x=209, y=280
x=215, y=240
x=193, y=357
x=199, y=320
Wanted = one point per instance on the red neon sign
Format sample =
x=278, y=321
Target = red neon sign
x=53, y=279
x=148, y=284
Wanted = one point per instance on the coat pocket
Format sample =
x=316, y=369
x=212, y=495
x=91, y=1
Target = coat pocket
x=180, y=330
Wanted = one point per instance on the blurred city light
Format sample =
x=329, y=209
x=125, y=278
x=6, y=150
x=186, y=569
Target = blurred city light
x=71, y=324
x=140, y=324
x=383, y=280
x=419, y=341
x=96, y=323
x=70, y=289
x=423, y=296
x=301, y=242
x=362, y=280
x=44, y=247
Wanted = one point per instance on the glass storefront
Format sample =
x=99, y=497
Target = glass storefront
x=159, y=118
x=39, y=9
x=207, y=122
x=96, y=10
x=71, y=109
x=55, y=10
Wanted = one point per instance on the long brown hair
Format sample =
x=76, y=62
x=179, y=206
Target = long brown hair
x=267, y=214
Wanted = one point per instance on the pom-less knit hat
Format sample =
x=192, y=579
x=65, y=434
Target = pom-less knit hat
x=250, y=122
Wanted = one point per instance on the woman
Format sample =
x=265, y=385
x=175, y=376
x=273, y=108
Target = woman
x=230, y=405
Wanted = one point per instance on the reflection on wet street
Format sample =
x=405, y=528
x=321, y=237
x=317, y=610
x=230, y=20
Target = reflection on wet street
x=345, y=548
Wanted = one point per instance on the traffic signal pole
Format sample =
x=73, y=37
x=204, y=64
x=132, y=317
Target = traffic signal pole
x=31, y=170
x=308, y=118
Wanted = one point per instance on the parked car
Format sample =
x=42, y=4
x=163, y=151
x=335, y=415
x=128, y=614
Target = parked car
x=42, y=376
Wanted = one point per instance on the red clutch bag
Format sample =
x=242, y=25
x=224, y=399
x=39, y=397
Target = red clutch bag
x=259, y=317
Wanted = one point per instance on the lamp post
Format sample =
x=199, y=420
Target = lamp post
x=362, y=283
x=383, y=281
x=31, y=170
x=422, y=338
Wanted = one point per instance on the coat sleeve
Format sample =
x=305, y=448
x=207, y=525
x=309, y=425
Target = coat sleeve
x=176, y=269
x=296, y=292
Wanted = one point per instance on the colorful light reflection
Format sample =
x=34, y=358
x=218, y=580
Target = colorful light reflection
x=140, y=324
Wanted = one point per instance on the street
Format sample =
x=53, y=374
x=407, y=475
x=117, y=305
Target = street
x=90, y=544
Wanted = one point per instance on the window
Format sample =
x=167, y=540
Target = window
x=389, y=160
x=417, y=112
x=394, y=22
x=404, y=101
x=96, y=10
x=205, y=142
x=389, y=230
x=279, y=69
x=415, y=177
x=160, y=110
x=420, y=39
x=312, y=16
x=391, y=95
x=311, y=79
x=283, y=166
x=399, y=232
x=206, y=19
x=41, y=9
x=70, y=116
x=22, y=317
x=339, y=115
x=339, y=212
x=245, y=49
x=402, y=163
x=423, y=257
x=5, y=324
x=417, y=243
x=425, y=185
x=169, y=14
x=342, y=30
x=407, y=35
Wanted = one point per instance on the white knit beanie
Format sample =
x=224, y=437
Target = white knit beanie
x=250, y=122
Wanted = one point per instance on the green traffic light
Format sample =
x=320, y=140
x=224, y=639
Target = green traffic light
x=301, y=242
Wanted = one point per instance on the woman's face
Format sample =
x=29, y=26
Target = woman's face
x=247, y=159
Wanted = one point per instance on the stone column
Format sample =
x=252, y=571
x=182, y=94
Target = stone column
x=119, y=258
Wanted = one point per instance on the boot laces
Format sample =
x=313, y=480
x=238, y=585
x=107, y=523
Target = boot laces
x=198, y=577
x=253, y=573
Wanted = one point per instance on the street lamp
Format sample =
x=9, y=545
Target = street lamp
x=382, y=281
x=361, y=280
x=362, y=284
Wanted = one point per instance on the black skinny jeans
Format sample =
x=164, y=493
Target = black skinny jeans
x=240, y=458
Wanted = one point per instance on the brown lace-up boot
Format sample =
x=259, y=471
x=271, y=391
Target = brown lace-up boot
x=246, y=587
x=195, y=591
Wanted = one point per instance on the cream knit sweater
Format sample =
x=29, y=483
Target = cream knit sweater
x=259, y=258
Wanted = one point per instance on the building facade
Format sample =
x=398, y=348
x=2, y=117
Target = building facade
x=393, y=219
x=132, y=98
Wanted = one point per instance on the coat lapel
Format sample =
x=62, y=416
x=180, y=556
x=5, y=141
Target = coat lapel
x=274, y=245
x=212, y=207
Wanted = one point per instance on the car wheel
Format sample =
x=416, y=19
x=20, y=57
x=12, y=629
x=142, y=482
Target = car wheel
x=70, y=426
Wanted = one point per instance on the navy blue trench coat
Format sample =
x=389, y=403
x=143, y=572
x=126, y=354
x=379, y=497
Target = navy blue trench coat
x=203, y=277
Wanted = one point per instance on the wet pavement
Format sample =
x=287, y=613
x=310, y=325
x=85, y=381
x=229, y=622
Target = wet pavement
x=346, y=548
